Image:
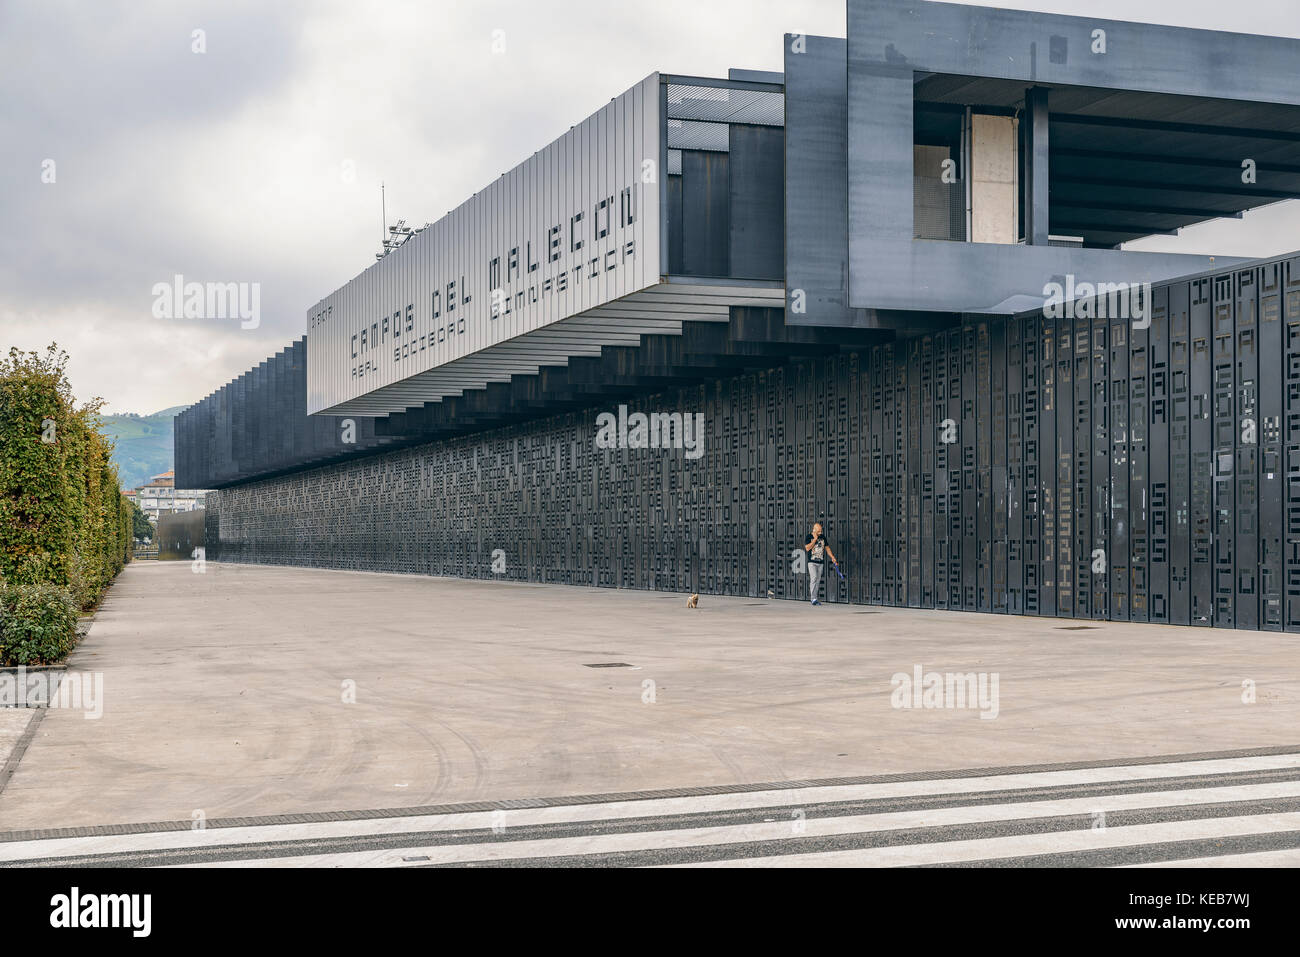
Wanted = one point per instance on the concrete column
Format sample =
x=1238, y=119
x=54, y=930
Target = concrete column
x=1036, y=167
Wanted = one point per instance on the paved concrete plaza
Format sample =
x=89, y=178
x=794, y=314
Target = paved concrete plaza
x=224, y=692
x=13, y=722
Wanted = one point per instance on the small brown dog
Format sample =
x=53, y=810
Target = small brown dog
x=693, y=601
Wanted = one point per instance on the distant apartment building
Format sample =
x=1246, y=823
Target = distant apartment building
x=159, y=496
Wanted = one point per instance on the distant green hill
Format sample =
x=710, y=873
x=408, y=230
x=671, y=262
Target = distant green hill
x=143, y=444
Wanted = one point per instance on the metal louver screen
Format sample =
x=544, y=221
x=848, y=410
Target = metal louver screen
x=714, y=104
x=939, y=209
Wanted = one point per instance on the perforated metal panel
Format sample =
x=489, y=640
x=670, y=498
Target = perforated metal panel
x=694, y=135
x=1071, y=468
x=724, y=105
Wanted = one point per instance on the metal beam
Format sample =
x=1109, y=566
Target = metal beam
x=708, y=81
x=1255, y=191
x=1164, y=158
x=1164, y=126
x=1187, y=211
x=929, y=106
x=1113, y=228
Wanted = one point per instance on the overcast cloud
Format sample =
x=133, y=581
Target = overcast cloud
x=233, y=164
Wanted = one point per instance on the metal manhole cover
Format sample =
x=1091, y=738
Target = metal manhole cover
x=609, y=664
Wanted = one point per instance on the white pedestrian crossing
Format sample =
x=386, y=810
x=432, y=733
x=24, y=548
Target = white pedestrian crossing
x=1167, y=812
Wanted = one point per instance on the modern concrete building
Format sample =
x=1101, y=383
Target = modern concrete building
x=886, y=288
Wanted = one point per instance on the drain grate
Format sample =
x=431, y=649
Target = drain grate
x=609, y=664
x=1078, y=627
x=868, y=613
x=421, y=857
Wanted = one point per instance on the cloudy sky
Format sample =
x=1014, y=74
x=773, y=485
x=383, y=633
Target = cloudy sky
x=259, y=160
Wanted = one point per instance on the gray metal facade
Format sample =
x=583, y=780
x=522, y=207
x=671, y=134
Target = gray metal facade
x=966, y=451
x=258, y=425
x=895, y=46
x=1096, y=472
x=817, y=182
x=572, y=228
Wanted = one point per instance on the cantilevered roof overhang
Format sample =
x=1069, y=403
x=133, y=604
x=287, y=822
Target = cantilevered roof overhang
x=659, y=310
x=563, y=256
x=1092, y=89
x=1127, y=164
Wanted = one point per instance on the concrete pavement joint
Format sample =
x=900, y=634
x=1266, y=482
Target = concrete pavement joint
x=20, y=748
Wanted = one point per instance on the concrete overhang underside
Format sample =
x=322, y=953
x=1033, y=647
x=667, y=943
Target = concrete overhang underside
x=658, y=310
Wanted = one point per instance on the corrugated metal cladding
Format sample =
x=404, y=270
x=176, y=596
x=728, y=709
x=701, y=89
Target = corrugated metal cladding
x=1095, y=471
x=258, y=425
x=573, y=227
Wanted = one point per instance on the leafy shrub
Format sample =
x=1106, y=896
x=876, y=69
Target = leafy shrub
x=63, y=519
x=38, y=624
x=80, y=583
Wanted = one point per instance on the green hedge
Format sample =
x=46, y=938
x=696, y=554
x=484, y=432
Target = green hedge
x=38, y=624
x=63, y=519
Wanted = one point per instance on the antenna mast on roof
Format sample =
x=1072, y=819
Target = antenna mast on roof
x=393, y=237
